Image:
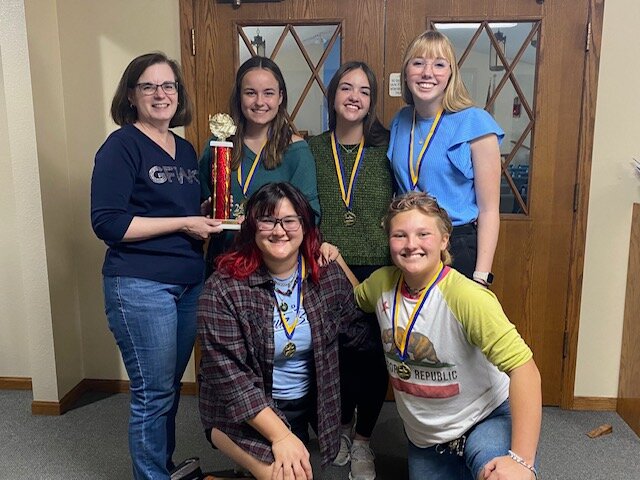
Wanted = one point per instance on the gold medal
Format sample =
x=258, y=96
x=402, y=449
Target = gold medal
x=347, y=190
x=349, y=218
x=289, y=349
x=404, y=372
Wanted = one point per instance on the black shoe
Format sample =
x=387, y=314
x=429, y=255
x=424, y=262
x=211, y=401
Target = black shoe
x=187, y=470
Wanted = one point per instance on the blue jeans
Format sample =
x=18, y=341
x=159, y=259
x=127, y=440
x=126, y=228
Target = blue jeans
x=488, y=439
x=154, y=325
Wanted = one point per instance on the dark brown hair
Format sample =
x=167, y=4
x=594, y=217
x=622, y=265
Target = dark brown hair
x=280, y=131
x=123, y=113
x=375, y=134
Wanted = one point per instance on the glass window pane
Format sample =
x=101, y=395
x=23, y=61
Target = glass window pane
x=485, y=76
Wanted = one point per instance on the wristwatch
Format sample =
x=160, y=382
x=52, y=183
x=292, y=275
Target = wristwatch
x=485, y=278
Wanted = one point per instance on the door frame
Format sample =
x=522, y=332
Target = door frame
x=593, y=40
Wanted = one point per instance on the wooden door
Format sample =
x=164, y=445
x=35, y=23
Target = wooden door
x=533, y=256
x=353, y=27
x=532, y=263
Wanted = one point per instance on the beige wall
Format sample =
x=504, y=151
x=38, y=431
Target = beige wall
x=54, y=104
x=613, y=191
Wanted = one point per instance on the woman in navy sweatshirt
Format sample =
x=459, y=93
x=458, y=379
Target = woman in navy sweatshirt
x=145, y=206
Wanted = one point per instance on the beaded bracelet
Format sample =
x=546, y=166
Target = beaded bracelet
x=518, y=459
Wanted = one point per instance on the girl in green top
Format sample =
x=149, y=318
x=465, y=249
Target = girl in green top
x=355, y=187
x=265, y=149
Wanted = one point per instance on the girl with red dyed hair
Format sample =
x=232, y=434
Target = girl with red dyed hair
x=269, y=319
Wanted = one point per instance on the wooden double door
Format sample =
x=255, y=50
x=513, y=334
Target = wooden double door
x=531, y=80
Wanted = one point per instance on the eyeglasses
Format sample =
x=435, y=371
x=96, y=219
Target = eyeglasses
x=439, y=65
x=170, y=88
x=290, y=223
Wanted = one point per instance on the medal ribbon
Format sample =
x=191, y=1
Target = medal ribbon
x=256, y=161
x=347, y=195
x=402, y=348
x=415, y=172
x=290, y=329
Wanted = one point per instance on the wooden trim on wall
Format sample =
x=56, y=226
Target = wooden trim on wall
x=583, y=183
x=15, y=383
x=188, y=64
x=71, y=398
x=595, y=403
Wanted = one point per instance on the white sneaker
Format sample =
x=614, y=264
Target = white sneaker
x=344, y=454
x=362, y=466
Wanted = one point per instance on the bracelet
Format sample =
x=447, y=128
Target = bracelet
x=518, y=459
x=280, y=439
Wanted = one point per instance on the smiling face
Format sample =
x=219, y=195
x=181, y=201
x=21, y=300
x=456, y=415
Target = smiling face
x=427, y=79
x=159, y=108
x=260, y=96
x=416, y=242
x=280, y=248
x=353, y=97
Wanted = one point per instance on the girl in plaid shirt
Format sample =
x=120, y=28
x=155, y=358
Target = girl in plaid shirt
x=269, y=319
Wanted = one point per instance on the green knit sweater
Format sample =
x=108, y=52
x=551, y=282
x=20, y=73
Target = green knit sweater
x=365, y=242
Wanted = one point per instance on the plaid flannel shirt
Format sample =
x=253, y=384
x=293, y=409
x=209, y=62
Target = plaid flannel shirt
x=235, y=328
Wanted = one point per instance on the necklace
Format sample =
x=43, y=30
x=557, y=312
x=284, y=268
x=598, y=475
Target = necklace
x=412, y=292
x=349, y=150
x=289, y=349
x=285, y=288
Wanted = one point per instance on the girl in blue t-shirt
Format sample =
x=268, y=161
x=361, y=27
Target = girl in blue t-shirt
x=443, y=145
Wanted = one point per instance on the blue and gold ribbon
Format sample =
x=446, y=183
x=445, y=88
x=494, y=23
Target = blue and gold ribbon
x=415, y=171
x=347, y=193
x=247, y=182
x=289, y=329
x=404, y=340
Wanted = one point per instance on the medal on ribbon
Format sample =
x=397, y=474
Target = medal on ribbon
x=289, y=349
x=401, y=344
x=347, y=193
x=414, y=172
x=254, y=166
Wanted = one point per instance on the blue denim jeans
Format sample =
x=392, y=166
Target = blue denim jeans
x=488, y=439
x=154, y=325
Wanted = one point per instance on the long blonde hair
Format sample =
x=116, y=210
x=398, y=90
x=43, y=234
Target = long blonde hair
x=427, y=205
x=433, y=44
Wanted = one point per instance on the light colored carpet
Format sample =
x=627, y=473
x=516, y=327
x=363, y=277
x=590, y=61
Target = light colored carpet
x=90, y=442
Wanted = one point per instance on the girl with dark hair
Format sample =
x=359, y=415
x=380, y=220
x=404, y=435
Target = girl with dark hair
x=265, y=149
x=355, y=186
x=269, y=318
x=145, y=206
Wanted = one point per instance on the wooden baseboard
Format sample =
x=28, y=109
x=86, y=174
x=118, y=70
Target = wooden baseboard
x=122, y=386
x=594, y=403
x=91, y=385
x=65, y=404
x=15, y=383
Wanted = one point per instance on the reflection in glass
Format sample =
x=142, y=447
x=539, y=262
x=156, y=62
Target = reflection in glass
x=259, y=44
x=507, y=95
x=495, y=64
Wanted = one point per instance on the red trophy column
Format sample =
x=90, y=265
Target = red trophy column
x=220, y=179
